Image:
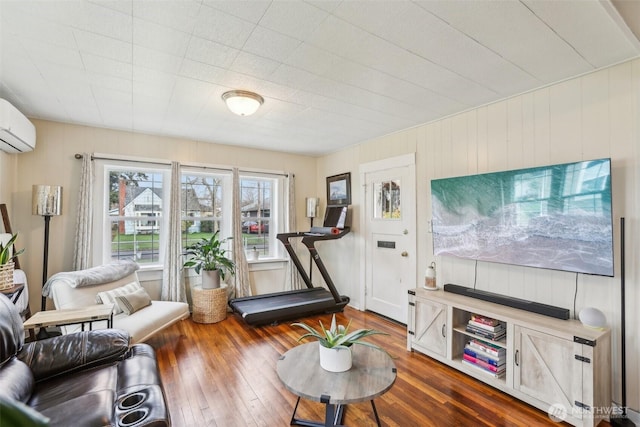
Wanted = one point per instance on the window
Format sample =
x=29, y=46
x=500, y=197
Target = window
x=132, y=201
x=134, y=220
x=256, y=199
x=202, y=206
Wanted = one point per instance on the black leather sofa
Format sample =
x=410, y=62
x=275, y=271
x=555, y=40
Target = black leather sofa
x=90, y=378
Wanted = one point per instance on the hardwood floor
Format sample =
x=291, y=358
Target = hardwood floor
x=224, y=375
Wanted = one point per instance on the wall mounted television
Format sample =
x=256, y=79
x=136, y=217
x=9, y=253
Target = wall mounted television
x=555, y=217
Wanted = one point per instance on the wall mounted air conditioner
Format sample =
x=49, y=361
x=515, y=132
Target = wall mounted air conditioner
x=17, y=133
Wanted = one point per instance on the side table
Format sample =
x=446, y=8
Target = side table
x=372, y=374
x=209, y=305
x=71, y=316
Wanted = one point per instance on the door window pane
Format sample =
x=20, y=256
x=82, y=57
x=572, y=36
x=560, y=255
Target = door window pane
x=386, y=199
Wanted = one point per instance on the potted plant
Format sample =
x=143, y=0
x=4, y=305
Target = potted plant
x=208, y=256
x=335, y=343
x=7, y=255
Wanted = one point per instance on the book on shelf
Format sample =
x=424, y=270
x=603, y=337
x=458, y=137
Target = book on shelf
x=496, y=328
x=481, y=369
x=484, y=320
x=495, y=336
x=483, y=364
x=488, y=348
x=485, y=357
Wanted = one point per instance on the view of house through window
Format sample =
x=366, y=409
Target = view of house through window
x=135, y=217
x=202, y=206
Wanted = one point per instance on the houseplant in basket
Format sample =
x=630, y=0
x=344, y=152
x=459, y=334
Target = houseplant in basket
x=7, y=255
x=209, y=256
x=335, y=343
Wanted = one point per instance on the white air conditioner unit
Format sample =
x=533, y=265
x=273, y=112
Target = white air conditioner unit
x=17, y=133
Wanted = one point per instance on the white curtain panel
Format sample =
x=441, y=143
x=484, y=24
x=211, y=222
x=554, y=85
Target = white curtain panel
x=84, y=216
x=173, y=288
x=241, y=282
x=292, y=277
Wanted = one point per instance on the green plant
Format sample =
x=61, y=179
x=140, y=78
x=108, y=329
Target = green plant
x=338, y=335
x=7, y=253
x=208, y=254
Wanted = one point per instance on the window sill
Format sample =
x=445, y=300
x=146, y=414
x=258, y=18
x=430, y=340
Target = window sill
x=267, y=264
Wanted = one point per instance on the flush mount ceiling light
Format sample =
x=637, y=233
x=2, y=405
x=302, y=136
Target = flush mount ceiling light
x=242, y=102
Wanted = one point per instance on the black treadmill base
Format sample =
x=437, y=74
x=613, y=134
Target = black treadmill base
x=270, y=308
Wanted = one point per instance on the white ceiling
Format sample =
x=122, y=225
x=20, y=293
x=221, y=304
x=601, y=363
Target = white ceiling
x=333, y=73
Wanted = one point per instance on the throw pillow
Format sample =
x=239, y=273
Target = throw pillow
x=130, y=303
x=109, y=297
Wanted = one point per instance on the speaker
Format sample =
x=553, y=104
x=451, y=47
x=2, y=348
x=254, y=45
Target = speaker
x=592, y=317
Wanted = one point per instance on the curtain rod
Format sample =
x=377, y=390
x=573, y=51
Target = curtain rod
x=167, y=163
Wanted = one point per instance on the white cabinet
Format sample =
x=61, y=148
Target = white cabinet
x=429, y=327
x=558, y=366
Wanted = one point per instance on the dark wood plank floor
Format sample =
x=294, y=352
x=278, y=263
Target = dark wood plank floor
x=224, y=375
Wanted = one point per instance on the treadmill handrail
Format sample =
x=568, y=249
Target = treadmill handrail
x=309, y=241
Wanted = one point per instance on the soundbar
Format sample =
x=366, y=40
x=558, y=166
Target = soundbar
x=522, y=304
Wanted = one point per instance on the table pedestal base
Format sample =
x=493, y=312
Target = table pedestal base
x=334, y=415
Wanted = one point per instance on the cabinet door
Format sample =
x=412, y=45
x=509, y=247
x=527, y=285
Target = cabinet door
x=430, y=326
x=546, y=368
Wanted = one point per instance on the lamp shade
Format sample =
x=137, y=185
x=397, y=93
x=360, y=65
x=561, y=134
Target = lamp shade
x=46, y=200
x=242, y=102
x=312, y=207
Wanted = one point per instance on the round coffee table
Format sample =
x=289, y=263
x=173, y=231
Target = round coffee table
x=372, y=374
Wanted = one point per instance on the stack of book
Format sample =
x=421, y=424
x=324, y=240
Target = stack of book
x=488, y=358
x=486, y=327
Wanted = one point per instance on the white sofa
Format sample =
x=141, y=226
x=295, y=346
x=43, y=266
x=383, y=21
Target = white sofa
x=141, y=325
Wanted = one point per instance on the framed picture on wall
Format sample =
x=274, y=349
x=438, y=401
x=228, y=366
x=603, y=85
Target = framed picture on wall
x=339, y=189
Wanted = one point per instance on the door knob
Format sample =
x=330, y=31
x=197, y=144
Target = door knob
x=405, y=253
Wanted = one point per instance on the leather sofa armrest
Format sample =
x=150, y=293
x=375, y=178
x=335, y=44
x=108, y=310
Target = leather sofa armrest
x=74, y=352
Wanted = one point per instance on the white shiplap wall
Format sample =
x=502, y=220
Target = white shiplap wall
x=592, y=116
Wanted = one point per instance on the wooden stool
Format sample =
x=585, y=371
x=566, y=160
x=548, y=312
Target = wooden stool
x=209, y=305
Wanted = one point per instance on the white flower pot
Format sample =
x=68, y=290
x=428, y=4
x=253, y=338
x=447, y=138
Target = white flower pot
x=210, y=279
x=335, y=359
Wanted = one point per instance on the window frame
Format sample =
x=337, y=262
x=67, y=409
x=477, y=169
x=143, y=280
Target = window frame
x=101, y=245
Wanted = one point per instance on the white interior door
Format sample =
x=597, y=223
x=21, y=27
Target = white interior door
x=390, y=243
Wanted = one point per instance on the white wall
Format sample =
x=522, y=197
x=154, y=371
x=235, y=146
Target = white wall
x=590, y=117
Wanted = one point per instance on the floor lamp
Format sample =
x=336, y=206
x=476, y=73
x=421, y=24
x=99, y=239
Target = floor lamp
x=46, y=201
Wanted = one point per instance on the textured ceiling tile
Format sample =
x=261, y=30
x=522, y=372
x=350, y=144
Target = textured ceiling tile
x=337, y=36
x=253, y=65
x=101, y=65
x=101, y=20
x=179, y=15
x=211, y=53
x=515, y=33
x=35, y=28
x=250, y=10
x=270, y=44
x=312, y=59
x=588, y=29
x=156, y=60
x=157, y=37
x=103, y=46
x=212, y=24
x=295, y=19
x=199, y=71
x=44, y=54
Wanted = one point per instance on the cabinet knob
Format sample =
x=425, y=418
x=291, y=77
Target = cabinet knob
x=404, y=254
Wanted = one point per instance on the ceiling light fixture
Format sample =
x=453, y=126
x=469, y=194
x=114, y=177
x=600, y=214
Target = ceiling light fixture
x=242, y=102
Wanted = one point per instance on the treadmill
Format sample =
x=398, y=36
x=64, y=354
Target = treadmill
x=274, y=307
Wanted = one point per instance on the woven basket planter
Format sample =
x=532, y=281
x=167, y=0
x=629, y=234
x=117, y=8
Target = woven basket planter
x=6, y=275
x=209, y=305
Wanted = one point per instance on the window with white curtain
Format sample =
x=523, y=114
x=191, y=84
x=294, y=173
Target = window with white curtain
x=134, y=198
